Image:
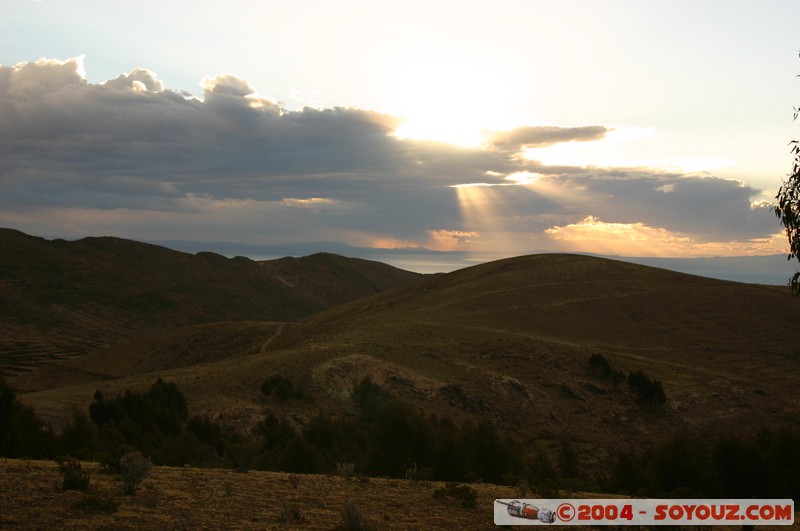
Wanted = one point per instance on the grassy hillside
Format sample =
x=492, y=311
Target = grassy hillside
x=61, y=299
x=508, y=342
x=183, y=498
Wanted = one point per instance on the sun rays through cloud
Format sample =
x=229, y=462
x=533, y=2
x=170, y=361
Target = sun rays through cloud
x=450, y=168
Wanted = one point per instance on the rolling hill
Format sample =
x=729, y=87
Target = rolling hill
x=61, y=299
x=508, y=342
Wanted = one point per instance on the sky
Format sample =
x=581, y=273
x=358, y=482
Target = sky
x=615, y=127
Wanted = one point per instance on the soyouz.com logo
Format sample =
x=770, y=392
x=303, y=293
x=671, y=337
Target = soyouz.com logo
x=643, y=512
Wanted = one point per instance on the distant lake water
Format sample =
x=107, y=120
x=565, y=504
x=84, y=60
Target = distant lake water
x=774, y=270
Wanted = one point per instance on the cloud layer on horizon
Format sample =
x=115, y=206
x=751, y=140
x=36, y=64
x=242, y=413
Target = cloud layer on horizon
x=133, y=158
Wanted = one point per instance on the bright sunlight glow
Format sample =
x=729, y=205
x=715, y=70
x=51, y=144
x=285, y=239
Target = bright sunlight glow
x=450, y=95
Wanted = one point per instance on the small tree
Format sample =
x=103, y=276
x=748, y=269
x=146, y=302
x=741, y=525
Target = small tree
x=368, y=396
x=788, y=211
x=787, y=208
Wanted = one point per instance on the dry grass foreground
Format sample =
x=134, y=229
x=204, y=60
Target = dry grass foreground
x=195, y=498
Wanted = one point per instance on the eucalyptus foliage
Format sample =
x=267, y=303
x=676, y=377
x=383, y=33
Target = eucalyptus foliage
x=787, y=208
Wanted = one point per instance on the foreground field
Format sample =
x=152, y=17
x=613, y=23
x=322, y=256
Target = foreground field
x=192, y=498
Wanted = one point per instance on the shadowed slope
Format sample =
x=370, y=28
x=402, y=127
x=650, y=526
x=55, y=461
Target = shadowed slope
x=509, y=342
x=328, y=279
x=61, y=299
x=590, y=301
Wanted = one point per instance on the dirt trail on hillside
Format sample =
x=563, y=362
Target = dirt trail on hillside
x=277, y=334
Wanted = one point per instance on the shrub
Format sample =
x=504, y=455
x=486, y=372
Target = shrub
x=489, y=456
x=399, y=436
x=352, y=518
x=133, y=467
x=283, y=387
x=464, y=493
x=291, y=514
x=79, y=436
x=266, y=387
x=649, y=390
x=568, y=460
x=699, y=464
x=345, y=469
x=456, y=396
x=116, y=448
x=22, y=433
x=72, y=476
x=146, y=421
x=617, y=377
x=301, y=456
x=207, y=431
x=599, y=363
x=96, y=503
x=368, y=396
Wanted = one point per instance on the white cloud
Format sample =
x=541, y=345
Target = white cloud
x=41, y=77
x=138, y=80
x=320, y=205
x=592, y=228
x=639, y=239
x=226, y=85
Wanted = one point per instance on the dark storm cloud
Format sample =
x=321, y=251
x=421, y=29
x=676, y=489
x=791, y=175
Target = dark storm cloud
x=238, y=158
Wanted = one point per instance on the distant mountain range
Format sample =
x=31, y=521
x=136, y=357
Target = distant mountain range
x=773, y=270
